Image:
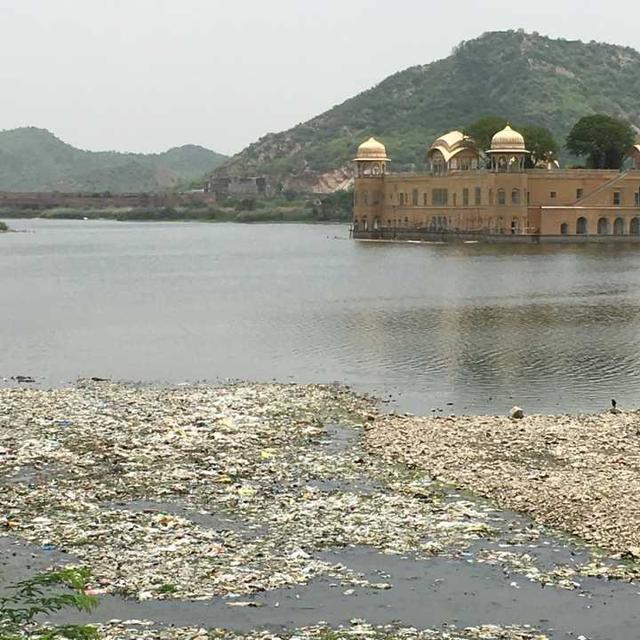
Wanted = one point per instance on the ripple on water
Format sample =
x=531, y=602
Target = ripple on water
x=556, y=326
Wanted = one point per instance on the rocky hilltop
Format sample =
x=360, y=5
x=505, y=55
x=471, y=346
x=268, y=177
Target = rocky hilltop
x=34, y=159
x=527, y=78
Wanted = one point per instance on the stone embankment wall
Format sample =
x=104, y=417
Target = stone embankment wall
x=54, y=199
x=426, y=235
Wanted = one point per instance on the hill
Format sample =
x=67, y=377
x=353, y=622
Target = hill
x=34, y=159
x=526, y=78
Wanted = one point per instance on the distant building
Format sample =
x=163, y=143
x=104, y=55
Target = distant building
x=467, y=194
x=237, y=187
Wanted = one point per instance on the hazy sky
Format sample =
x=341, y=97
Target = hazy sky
x=145, y=75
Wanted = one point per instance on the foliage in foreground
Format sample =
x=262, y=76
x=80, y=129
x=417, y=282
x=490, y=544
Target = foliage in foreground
x=43, y=594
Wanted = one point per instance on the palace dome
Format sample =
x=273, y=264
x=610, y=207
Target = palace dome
x=452, y=143
x=508, y=140
x=372, y=150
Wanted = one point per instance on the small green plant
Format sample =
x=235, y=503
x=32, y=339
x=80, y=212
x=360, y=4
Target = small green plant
x=167, y=588
x=42, y=594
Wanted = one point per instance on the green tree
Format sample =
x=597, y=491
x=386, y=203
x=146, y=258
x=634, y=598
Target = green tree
x=602, y=139
x=540, y=141
x=484, y=129
x=42, y=594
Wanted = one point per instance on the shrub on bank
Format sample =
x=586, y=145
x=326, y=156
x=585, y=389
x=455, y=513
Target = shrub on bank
x=277, y=211
x=274, y=215
x=20, y=212
x=3, y=227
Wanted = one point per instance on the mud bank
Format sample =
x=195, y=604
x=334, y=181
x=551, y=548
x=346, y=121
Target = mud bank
x=576, y=473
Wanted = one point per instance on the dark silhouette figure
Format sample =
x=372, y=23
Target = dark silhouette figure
x=613, y=403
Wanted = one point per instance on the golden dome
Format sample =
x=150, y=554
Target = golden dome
x=372, y=150
x=508, y=140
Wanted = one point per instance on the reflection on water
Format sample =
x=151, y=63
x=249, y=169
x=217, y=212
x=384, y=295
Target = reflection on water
x=461, y=328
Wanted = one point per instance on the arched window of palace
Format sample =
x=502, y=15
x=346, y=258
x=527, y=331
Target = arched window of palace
x=634, y=227
x=581, y=226
x=603, y=226
x=437, y=166
x=564, y=228
x=515, y=196
x=365, y=224
x=501, y=197
x=355, y=224
x=618, y=227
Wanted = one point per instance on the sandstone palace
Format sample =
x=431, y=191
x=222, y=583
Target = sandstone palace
x=470, y=195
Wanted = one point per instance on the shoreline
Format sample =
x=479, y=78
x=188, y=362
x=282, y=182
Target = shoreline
x=269, y=217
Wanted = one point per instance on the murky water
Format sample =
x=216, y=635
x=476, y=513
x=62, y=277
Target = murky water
x=555, y=329
x=425, y=594
x=455, y=588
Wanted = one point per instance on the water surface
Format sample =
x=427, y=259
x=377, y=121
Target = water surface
x=459, y=328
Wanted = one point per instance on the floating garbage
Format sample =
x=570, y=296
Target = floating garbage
x=201, y=492
x=358, y=630
x=255, y=456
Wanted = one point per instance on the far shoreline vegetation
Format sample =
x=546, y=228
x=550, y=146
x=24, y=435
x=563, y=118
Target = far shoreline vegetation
x=288, y=207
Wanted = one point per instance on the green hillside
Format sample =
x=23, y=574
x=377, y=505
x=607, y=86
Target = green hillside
x=35, y=160
x=527, y=78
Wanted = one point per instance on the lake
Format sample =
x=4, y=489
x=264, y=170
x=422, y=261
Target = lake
x=465, y=328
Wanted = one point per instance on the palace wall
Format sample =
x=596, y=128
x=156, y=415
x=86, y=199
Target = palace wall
x=534, y=202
